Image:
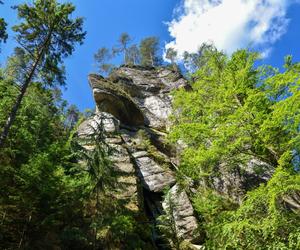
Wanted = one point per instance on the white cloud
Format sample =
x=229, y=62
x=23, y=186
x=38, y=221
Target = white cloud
x=229, y=24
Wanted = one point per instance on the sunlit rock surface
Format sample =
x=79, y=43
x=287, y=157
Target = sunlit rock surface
x=183, y=213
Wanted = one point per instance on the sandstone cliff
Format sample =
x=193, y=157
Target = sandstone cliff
x=134, y=104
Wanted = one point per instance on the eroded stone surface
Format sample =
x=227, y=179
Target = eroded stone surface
x=235, y=182
x=137, y=95
x=101, y=120
x=183, y=212
x=153, y=177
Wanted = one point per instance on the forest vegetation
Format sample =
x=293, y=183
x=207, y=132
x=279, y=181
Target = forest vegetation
x=236, y=110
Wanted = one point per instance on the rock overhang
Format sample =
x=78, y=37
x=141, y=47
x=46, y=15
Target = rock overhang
x=115, y=102
x=137, y=95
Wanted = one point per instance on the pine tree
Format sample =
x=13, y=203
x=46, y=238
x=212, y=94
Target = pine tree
x=171, y=55
x=149, y=48
x=133, y=55
x=122, y=47
x=46, y=36
x=102, y=58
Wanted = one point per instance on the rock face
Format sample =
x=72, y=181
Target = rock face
x=133, y=105
x=137, y=95
x=234, y=183
x=183, y=213
x=154, y=177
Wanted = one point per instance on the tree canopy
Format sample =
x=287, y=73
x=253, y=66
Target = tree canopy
x=3, y=33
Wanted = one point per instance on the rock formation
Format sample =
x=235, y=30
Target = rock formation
x=133, y=105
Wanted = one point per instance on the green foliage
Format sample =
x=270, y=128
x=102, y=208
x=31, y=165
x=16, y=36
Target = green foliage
x=102, y=58
x=152, y=151
x=46, y=36
x=122, y=47
x=133, y=55
x=44, y=190
x=122, y=225
x=50, y=200
x=167, y=224
x=269, y=218
x=234, y=113
x=194, y=61
x=149, y=52
x=38, y=118
x=171, y=55
x=47, y=30
x=3, y=33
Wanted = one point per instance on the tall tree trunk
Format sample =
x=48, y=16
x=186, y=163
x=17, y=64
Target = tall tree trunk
x=12, y=116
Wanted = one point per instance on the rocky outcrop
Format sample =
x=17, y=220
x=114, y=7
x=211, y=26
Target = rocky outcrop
x=132, y=106
x=137, y=95
x=154, y=177
x=234, y=182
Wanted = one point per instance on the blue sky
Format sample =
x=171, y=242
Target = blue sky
x=272, y=28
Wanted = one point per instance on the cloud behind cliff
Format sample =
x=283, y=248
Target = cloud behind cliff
x=229, y=24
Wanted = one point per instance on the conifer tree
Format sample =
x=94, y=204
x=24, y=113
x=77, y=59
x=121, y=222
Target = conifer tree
x=149, y=51
x=102, y=58
x=236, y=114
x=3, y=33
x=123, y=43
x=47, y=34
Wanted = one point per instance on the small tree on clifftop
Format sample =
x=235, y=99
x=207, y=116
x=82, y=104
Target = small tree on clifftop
x=149, y=52
x=123, y=43
x=171, y=55
x=133, y=55
x=102, y=58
